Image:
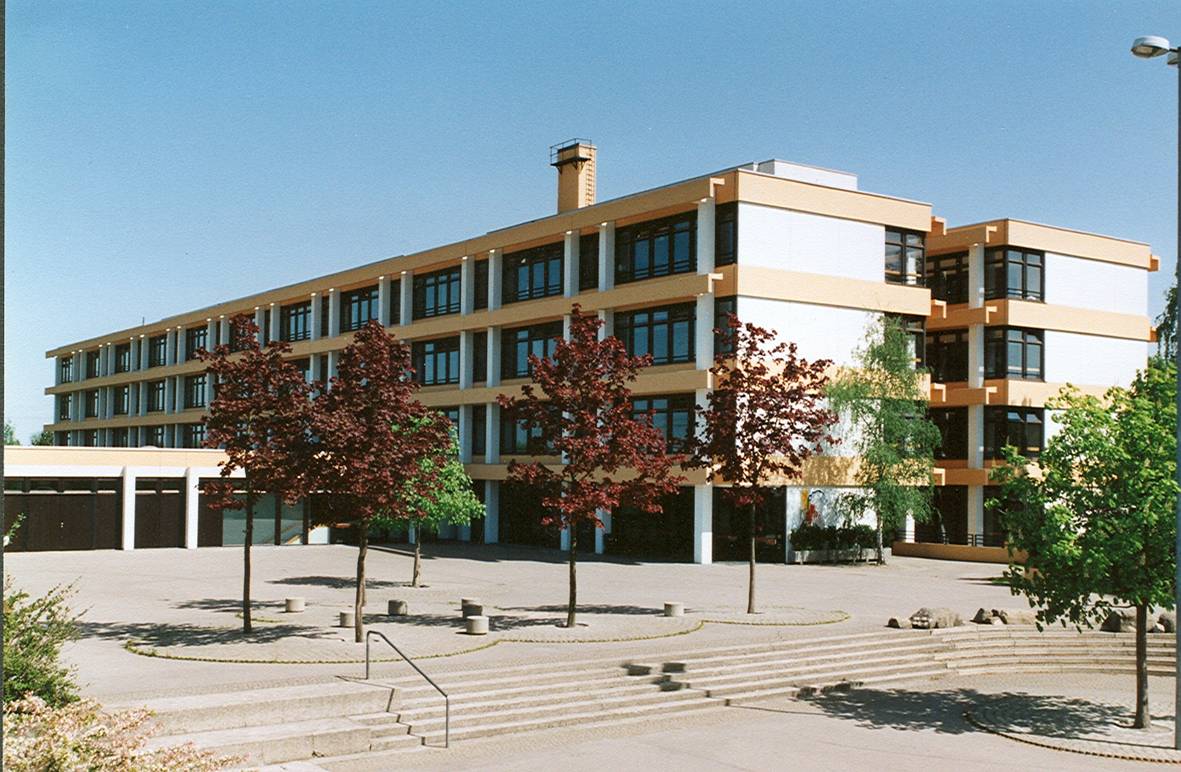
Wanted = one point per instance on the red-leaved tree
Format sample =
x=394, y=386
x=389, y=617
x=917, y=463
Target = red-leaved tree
x=764, y=418
x=373, y=438
x=580, y=404
x=260, y=416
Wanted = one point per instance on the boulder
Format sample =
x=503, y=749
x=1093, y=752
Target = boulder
x=1120, y=620
x=1016, y=616
x=1168, y=620
x=983, y=616
x=935, y=618
x=899, y=624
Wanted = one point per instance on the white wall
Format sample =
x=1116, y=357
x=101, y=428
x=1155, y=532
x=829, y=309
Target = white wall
x=814, y=174
x=820, y=332
x=796, y=241
x=1092, y=360
x=1080, y=283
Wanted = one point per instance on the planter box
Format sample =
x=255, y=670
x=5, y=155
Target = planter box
x=813, y=556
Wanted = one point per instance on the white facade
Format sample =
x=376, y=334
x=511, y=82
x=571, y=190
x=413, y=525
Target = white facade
x=1080, y=283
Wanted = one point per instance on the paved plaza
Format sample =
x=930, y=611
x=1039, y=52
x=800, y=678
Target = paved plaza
x=165, y=622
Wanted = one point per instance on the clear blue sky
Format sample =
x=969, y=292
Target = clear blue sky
x=162, y=156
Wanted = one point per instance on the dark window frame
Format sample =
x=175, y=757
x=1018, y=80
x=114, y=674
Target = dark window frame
x=630, y=325
x=999, y=266
x=93, y=364
x=947, y=355
x=443, y=288
x=295, y=321
x=194, y=390
x=121, y=399
x=667, y=410
x=726, y=234
x=999, y=345
x=910, y=244
x=358, y=307
x=158, y=350
x=534, y=273
x=428, y=355
x=1022, y=427
x=195, y=338
x=480, y=357
x=588, y=262
x=66, y=369
x=648, y=250
x=723, y=340
x=480, y=288
x=90, y=403
x=952, y=423
x=123, y=358
x=947, y=276
x=531, y=338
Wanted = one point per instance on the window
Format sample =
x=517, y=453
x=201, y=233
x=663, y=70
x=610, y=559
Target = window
x=588, y=262
x=90, y=438
x=519, y=439
x=265, y=332
x=195, y=390
x=533, y=273
x=157, y=350
x=326, y=315
x=91, y=364
x=436, y=294
x=295, y=321
x=436, y=361
x=65, y=369
x=198, y=338
x=193, y=435
x=914, y=327
x=1014, y=273
x=122, y=399
x=726, y=234
x=723, y=341
x=947, y=355
x=395, y=304
x=119, y=437
x=123, y=358
x=479, y=431
x=358, y=307
x=452, y=414
x=656, y=248
x=665, y=333
x=155, y=396
x=480, y=357
x=904, y=257
x=63, y=407
x=672, y=415
x=1021, y=427
x=155, y=436
x=516, y=345
x=322, y=367
x=304, y=366
x=61, y=439
x=953, y=431
x=947, y=276
x=90, y=403
x=1012, y=352
x=480, y=272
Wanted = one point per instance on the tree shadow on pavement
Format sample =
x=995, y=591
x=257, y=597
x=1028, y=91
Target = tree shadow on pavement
x=337, y=582
x=229, y=605
x=646, y=611
x=496, y=622
x=160, y=634
x=943, y=710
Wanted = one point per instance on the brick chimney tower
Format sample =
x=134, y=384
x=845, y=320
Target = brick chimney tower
x=575, y=161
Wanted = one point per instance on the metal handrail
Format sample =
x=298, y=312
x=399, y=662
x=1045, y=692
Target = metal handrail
x=429, y=680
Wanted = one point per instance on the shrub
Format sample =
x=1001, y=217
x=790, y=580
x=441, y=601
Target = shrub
x=34, y=631
x=79, y=735
x=808, y=536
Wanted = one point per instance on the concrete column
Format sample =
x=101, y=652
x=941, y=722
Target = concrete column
x=467, y=285
x=601, y=533
x=976, y=380
x=466, y=365
x=703, y=524
x=259, y=322
x=144, y=345
x=606, y=256
x=332, y=357
x=492, y=434
x=793, y=515
x=570, y=257
x=181, y=345
x=607, y=326
x=493, y=357
x=274, y=331
x=333, y=313
x=211, y=330
x=169, y=395
x=383, y=300
x=170, y=347
x=128, y=535
x=464, y=432
x=209, y=389
x=412, y=534
x=703, y=332
x=495, y=280
x=567, y=321
x=706, y=211
x=142, y=401
x=491, y=511
x=406, y=304
x=192, y=507
x=316, y=332
x=223, y=331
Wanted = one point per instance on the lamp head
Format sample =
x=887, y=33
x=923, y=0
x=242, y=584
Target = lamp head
x=1150, y=46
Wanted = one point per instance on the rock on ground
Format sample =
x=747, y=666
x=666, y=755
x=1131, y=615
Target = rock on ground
x=935, y=618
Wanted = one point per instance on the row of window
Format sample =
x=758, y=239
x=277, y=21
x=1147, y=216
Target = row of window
x=190, y=436
x=1009, y=352
x=1021, y=427
x=1009, y=272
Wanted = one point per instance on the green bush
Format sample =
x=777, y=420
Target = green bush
x=34, y=631
x=808, y=536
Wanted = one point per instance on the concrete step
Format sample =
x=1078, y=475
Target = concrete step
x=525, y=697
x=794, y=659
x=271, y=744
x=761, y=692
x=396, y=742
x=721, y=674
x=235, y=709
x=554, y=709
x=724, y=686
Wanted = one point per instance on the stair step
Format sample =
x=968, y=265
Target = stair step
x=795, y=657
x=701, y=680
x=523, y=697
x=724, y=686
x=805, y=664
x=288, y=741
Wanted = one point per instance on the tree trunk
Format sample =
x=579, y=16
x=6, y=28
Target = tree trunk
x=1143, y=719
x=417, y=561
x=359, y=604
x=573, y=602
x=881, y=552
x=750, y=593
x=247, y=539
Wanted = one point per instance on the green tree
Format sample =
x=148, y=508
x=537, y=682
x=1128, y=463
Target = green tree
x=35, y=629
x=1095, y=519
x=884, y=401
x=1166, y=326
x=44, y=437
x=10, y=435
x=449, y=500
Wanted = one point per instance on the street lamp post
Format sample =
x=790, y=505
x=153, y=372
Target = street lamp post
x=1149, y=48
